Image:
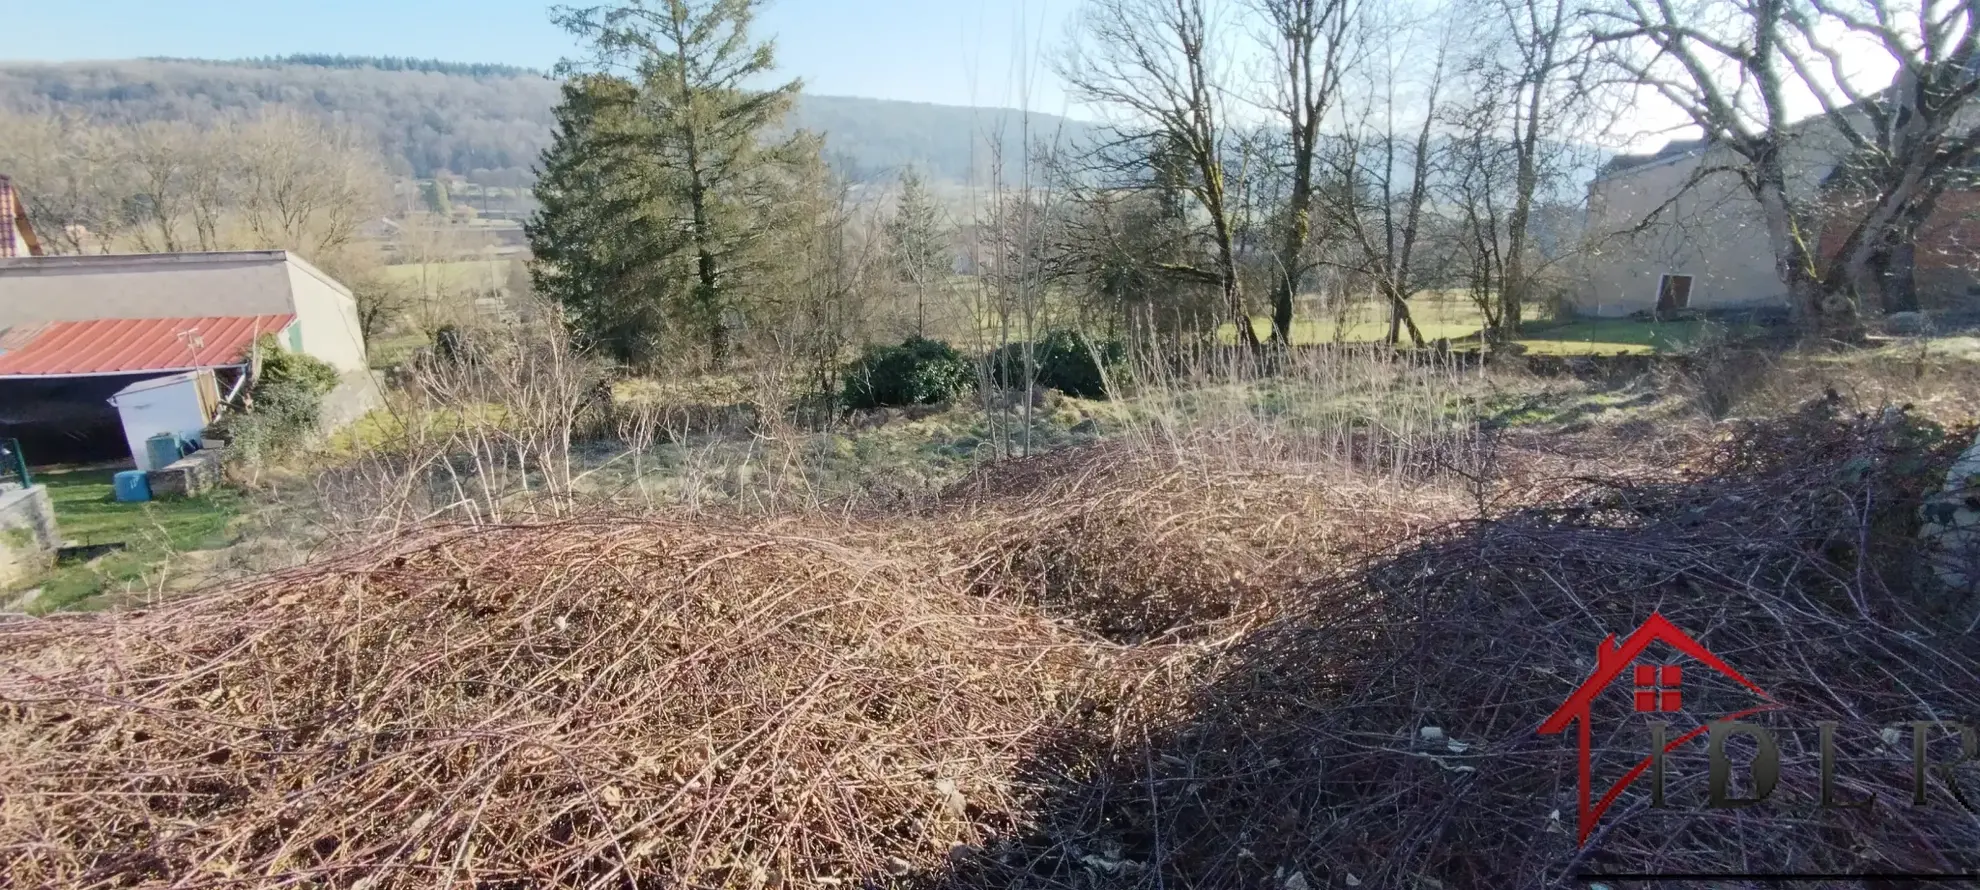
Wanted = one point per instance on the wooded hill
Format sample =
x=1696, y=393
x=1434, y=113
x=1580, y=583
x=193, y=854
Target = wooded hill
x=430, y=116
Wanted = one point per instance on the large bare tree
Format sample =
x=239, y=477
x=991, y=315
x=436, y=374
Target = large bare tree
x=1539, y=71
x=1156, y=66
x=1312, y=45
x=1385, y=175
x=1521, y=106
x=1909, y=143
x=1735, y=68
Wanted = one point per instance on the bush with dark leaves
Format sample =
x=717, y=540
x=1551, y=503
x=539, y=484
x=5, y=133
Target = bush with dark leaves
x=1065, y=360
x=917, y=372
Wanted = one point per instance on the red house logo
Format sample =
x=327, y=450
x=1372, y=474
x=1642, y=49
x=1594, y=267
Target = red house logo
x=1656, y=688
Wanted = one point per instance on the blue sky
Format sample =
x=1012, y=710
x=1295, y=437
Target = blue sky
x=948, y=51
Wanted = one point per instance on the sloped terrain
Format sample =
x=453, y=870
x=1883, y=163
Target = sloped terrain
x=1101, y=668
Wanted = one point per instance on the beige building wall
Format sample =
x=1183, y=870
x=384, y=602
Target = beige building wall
x=1691, y=215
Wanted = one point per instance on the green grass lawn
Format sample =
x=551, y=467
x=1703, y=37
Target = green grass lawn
x=154, y=532
x=1608, y=336
x=457, y=275
x=389, y=350
x=1460, y=321
x=1437, y=319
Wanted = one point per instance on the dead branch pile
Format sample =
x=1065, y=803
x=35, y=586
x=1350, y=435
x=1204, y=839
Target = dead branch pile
x=1384, y=733
x=1137, y=545
x=664, y=705
x=567, y=705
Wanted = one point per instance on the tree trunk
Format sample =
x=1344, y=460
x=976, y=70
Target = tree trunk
x=1300, y=227
x=1512, y=287
x=1234, y=299
x=709, y=297
x=707, y=289
x=1227, y=267
x=1400, y=320
x=1897, y=277
x=1818, y=310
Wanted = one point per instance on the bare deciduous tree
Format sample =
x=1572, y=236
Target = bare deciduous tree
x=1385, y=177
x=281, y=180
x=1156, y=64
x=305, y=186
x=1539, y=76
x=1734, y=67
x=1311, y=48
x=1909, y=143
x=73, y=176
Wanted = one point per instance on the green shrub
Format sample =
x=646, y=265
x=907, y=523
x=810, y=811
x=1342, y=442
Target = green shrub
x=917, y=372
x=1067, y=361
x=285, y=404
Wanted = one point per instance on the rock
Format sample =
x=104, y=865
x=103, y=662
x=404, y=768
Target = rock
x=1907, y=324
x=22, y=602
x=1951, y=527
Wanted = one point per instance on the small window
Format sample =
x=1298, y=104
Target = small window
x=1673, y=294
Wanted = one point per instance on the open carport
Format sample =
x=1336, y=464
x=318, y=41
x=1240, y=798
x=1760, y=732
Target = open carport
x=65, y=420
x=57, y=378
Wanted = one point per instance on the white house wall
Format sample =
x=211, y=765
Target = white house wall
x=328, y=316
x=197, y=285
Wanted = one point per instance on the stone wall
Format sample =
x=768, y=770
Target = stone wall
x=28, y=537
x=189, y=476
x=355, y=395
x=1952, y=529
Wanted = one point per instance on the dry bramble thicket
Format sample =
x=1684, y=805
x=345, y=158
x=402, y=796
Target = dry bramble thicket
x=1103, y=668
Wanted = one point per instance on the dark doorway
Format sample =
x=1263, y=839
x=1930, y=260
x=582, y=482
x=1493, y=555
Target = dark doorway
x=65, y=420
x=1673, y=294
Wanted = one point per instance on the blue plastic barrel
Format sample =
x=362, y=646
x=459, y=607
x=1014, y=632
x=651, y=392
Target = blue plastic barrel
x=132, y=486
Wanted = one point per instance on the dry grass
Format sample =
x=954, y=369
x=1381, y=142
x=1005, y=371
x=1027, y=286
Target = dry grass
x=1137, y=546
x=570, y=705
x=1204, y=656
x=1383, y=412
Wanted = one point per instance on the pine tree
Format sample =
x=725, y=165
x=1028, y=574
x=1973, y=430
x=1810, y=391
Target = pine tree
x=434, y=193
x=696, y=145
x=915, y=243
x=599, y=249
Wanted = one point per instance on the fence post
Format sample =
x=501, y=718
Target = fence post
x=12, y=460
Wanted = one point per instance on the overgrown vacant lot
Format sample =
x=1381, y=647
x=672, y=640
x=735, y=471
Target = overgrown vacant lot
x=1234, y=630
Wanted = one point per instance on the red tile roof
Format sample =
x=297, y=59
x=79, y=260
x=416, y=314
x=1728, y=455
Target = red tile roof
x=130, y=345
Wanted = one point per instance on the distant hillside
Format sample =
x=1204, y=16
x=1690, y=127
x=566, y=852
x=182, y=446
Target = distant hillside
x=465, y=118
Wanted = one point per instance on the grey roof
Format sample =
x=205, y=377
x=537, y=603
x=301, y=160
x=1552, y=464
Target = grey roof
x=1673, y=149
